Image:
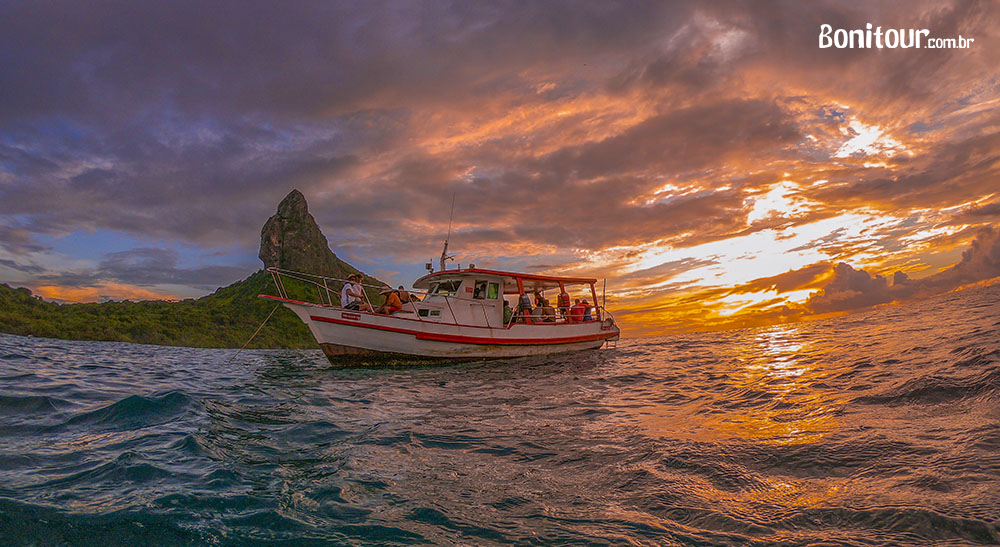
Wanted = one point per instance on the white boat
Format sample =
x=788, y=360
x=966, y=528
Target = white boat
x=460, y=316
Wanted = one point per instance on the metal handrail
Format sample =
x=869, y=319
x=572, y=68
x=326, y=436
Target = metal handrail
x=321, y=282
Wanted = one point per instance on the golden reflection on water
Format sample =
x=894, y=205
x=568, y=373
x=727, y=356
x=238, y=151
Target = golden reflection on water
x=780, y=372
x=771, y=391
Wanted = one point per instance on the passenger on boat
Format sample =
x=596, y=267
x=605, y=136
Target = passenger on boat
x=576, y=313
x=508, y=313
x=564, y=304
x=479, y=292
x=404, y=296
x=543, y=310
x=586, y=312
x=523, y=307
x=352, y=295
x=392, y=302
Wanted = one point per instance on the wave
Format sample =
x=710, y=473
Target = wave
x=938, y=389
x=134, y=412
x=31, y=404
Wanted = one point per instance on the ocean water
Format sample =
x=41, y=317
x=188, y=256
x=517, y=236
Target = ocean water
x=871, y=429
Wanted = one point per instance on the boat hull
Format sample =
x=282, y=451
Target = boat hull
x=351, y=337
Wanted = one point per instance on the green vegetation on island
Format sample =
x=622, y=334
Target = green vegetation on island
x=224, y=319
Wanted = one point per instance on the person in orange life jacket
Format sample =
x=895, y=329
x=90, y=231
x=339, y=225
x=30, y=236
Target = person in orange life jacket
x=392, y=302
x=404, y=296
x=563, y=301
x=576, y=312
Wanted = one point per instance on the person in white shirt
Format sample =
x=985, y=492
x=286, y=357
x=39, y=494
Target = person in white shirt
x=352, y=295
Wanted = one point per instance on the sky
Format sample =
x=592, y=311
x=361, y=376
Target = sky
x=709, y=160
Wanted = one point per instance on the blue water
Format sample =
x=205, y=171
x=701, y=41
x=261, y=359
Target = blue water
x=875, y=428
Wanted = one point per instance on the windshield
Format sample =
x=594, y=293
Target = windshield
x=445, y=288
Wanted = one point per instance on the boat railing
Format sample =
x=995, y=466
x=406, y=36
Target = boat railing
x=322, y=284
x=326, y=296
x=599, y=314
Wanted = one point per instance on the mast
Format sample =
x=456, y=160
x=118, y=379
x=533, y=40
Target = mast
x=444, y=253
x=604, y=298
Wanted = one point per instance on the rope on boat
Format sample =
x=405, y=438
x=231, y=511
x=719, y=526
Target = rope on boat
x=253, y=335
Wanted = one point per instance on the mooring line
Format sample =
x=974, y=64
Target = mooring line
x=253, y=335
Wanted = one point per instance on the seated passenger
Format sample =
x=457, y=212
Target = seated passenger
x=392, y=302
x=404, y=296
x=549, y=314
x=576, y=313
x=523, y=307
x=352, y=295
x=564, y=304
x=507, y=312
x=586, y=312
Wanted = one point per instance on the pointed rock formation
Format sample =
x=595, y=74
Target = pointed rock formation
x=292, y=240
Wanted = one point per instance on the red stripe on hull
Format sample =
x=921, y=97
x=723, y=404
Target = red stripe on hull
x=477, y=340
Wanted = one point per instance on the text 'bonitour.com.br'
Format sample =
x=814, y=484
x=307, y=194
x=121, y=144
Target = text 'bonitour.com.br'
x=892, y=38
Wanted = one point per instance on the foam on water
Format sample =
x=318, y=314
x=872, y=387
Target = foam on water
x=875, y=428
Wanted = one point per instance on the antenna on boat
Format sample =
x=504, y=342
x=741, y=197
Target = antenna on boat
x=444, y=254
x=604, y=296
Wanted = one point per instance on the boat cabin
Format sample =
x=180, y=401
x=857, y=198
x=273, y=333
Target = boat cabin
x=475, y=297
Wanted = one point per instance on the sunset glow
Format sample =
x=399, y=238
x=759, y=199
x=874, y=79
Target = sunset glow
x=713, y=164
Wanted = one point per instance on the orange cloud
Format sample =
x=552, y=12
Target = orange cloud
x=99, y=293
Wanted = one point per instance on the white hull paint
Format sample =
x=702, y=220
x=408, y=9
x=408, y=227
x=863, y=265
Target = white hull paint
x=349, y=335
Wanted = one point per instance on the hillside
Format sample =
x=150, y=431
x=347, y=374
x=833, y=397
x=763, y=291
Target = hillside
x=226, y=318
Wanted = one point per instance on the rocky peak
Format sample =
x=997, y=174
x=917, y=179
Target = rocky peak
x=292, y=240
x=294, y=205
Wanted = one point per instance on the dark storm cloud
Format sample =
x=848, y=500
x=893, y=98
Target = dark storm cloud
x=237, y=102
x=595, y=184
x=121, y=115
x=306, y=59
x=147, y=267
x=681, y=140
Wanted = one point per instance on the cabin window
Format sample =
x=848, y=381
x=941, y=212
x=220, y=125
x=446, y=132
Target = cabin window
x=445, y=288
x=435, y=313
x=479, y=292
x=494, y=291
x=422, y=312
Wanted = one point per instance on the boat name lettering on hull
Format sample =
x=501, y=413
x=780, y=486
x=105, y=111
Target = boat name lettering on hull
x=351, y=316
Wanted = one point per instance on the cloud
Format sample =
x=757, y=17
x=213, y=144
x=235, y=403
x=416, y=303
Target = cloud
x=852, y=289
x=19, y=240
x=25, y=268
x=808, y=277
x=143, y=267
x=583, y=136
x=980, y=261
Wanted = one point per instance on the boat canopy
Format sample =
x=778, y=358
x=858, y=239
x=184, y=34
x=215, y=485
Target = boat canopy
x=531, y=282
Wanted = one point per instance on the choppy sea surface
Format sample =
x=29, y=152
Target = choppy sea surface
x=871, y=429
